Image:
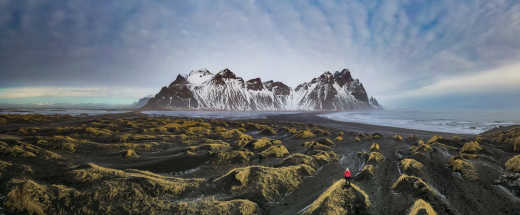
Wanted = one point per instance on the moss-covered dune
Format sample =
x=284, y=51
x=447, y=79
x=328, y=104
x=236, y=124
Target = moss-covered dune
x=264, y=184
x=135, y=164
x=340, y=199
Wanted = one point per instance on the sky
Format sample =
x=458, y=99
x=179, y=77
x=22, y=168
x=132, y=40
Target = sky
x=410, y=53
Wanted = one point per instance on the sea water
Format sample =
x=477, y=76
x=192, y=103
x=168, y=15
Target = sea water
x=62, y=111
x=462, y=122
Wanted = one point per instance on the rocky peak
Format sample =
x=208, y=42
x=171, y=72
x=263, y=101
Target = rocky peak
x=226, y=73
x=200, y=72
x=255, y=84
x=343, y=77
x=179, y=80
x=280, y=88
x=372, y=101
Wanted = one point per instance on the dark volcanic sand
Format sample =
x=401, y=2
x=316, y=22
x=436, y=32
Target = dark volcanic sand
x=454, y=193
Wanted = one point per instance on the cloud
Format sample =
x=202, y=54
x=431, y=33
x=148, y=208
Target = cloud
x=104, y=92
x=500, y=80
x=395, y=47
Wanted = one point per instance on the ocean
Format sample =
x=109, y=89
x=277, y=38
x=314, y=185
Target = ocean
x=462, y=122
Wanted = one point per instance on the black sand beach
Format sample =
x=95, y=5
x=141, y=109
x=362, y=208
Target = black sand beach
x=285, y=164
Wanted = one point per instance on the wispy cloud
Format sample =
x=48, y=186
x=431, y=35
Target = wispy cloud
x=395, y=47
x=102, y=92
x=499, y=80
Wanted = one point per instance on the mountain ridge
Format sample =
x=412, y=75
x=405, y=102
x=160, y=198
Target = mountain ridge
x=225, y=91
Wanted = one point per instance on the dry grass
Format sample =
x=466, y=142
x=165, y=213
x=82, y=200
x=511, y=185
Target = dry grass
x=305, y=134
x=513, y=164
x=398, y=137
x=129, y=154
x=278, y=151
x=24, y=150
x=236, y=156
x=433, y=139
x=375, y=157
x=298, y=158
x=338, y=199
x=266, y=184
x=262, y=143
x=243, y=140
x=3, y=166
x=421, y=148
x=471, y=147
x=160, y=184
x=326, y=141
x=28, y=196
x=421, y=207
x=212, y=206
x=357, y=139
x=410, y=164
x=324, y=157
x=374, y=147
x=412, y=183
x=516, y=144
x=466, y=168
x=368, y=171
x=313, y=145
x=376, y=136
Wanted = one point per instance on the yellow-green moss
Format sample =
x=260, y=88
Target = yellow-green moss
x=339, y=199
x=513, y=164
x=421, y=207
x=305, y=134
x=212, y=206
x=324, y=157
x=129, y=153
x=278, y=151
x=421, y=148
x=412, y=183
x=375, y=157
x=433, y=139
x=236, y=156
x=409, y=164
x=266, y=184
x=471, y=147
x=374, y=147
x=398, y=137
x=298, y=158
x=262, y=143
x=28, y=197
x=466, y=168
x=313, y=145
x=368, y=170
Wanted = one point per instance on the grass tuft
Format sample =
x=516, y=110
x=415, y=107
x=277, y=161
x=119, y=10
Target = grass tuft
x=513, y=164
x=421, y=207
x=471, y=147
x=466, y=168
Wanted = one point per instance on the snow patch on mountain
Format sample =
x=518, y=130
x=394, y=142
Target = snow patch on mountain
x=203, y=90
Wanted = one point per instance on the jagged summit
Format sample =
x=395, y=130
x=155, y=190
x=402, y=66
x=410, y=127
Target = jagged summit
x=203, y=90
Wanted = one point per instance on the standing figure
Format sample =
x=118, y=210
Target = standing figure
x=347, y=175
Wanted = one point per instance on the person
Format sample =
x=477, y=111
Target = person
x=347, y=175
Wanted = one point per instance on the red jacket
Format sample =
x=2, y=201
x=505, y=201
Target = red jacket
x=347, y=174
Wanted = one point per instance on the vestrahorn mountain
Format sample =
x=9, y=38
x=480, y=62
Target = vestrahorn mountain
x=203, y=90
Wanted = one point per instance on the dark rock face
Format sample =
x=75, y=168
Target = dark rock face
x=225, y=91
x=278, y=88
x=255, y=84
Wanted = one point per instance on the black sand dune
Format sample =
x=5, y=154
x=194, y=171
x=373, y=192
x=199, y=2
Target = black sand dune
x=286, y=164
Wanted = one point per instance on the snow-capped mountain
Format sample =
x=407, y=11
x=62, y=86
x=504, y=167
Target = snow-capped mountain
x=203, y=90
